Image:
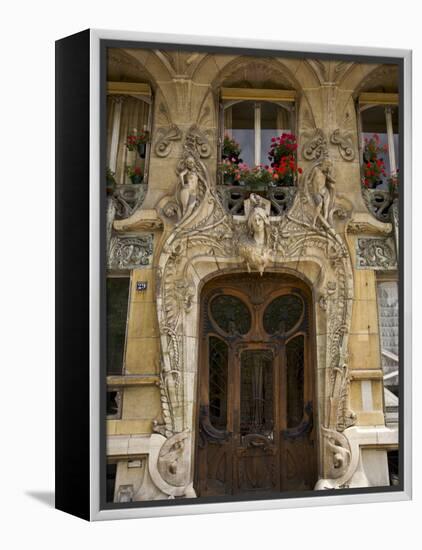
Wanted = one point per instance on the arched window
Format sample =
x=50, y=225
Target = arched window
x=129, y=108
x=252, y=117
x=379, y=138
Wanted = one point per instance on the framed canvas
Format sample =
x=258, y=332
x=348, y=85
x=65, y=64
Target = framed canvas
x=233, y=274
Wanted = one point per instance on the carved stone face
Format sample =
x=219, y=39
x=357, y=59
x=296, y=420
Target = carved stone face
x=257, y=221
x=326, y=165
x=190, y=163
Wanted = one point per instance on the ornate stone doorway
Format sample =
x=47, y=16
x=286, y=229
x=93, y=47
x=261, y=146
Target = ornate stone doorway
x=201, y=241
x=256, y=386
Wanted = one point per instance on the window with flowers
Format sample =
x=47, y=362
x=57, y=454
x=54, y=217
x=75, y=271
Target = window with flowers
x=379, y=143
x=129, y=107
x=258, y=146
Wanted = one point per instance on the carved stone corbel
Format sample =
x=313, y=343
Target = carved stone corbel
x=140, y=220
x=362, y=222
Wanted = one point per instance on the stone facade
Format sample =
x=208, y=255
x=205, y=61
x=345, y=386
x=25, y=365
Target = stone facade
x=179, y=235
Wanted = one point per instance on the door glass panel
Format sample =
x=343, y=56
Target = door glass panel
x=282, y=314
x=256, y=393
x=295, y=380
x=231, y=314
x=218, y=362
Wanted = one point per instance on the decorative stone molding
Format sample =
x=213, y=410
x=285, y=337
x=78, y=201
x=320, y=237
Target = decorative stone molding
x=206, y=241
x=344, y=142
x=172, y=460
x=341, y=69
x=329, y=72
x=141, y=220
x=375, y=254
x=329, y=291
x=165, y=138
x=180, y=64
x=321, y=69
x=163, y=474
x=316, y=147
x=347, y=450
x=128, y=198
x=378, y=202
x=362, y=223
x=167, y=474
x=198, y=140
x=169, y=464
x=130, y=252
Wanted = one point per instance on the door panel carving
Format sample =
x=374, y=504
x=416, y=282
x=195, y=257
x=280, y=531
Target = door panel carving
x=256, y=388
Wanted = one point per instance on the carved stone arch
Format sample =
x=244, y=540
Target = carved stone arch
x=256, y=72
x=207, y=114
x=329, y=71
x=150, y=63
x=209, y=66
x=319, y=68
x=370, y=77
x=342, y=70
x=180, y=62
x=122, y=66
x=132, y=66
x=306, y=119
x=382, y=78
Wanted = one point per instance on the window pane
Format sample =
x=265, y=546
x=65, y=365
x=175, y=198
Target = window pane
x=117, y=303
x=241, y=128
x=274, y=121
x=256, y=393
x=282, y=314
x=373, y=122
x=218, y=363
x=231, y=314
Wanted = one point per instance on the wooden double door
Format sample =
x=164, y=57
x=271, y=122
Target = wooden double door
x=255, y=430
